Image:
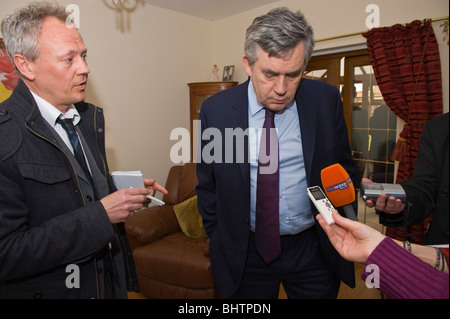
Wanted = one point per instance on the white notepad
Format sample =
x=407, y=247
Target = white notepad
x=127, y=179
x=132, y=179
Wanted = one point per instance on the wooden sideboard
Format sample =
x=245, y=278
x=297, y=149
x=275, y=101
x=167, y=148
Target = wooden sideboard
x=199, y=92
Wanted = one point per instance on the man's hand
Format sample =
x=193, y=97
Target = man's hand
x=389, y=205
x=153, y=187
x=122, y=204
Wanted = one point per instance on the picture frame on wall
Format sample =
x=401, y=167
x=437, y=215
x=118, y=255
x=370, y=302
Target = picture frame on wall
x=8, y=74
x=228, y=73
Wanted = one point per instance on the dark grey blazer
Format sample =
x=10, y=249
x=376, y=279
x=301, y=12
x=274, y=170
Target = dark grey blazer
x=48, y=218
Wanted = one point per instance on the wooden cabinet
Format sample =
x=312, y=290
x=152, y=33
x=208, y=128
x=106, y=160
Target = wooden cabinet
x=199, y=92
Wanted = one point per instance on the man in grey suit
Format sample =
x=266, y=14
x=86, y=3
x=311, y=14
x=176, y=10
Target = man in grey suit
x=312, y=135
x=61, y=228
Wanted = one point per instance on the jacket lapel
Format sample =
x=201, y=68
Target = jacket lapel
x=238, y=118
x=39, y=126
x=306, y=116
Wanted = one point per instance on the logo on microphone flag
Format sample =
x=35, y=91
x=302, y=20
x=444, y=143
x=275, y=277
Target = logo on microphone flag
x=339, y=186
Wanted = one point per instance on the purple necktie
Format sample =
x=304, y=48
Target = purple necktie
x=267, y=224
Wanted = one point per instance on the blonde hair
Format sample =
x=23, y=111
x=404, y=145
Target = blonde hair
x=22, y=29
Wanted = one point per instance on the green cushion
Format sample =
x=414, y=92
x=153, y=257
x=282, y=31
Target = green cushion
x=189, y=218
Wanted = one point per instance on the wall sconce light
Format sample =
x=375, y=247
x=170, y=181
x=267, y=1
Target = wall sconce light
x=122, y=8
x=120, y=3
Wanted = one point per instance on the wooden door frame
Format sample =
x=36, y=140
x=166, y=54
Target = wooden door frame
x=332, y=63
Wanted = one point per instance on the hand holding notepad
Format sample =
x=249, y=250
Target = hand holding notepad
x=132, y=179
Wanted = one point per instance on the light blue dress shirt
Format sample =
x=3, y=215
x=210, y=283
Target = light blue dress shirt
x=295, y=208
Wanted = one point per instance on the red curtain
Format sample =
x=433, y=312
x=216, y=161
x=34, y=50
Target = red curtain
x=407, y=67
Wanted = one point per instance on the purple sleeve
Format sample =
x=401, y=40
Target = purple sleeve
x=401, y=275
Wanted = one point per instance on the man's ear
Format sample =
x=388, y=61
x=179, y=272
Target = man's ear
x=247, y=66
x=24, y=66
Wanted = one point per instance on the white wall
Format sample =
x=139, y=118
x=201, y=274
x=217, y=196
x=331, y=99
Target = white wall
x=140, y=75
x=331, y=18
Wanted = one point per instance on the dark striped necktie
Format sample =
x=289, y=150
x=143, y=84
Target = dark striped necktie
x=267, y=224
x=68, y=126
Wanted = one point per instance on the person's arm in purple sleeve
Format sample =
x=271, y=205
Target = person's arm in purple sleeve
x=405, y=276
x=401, y=274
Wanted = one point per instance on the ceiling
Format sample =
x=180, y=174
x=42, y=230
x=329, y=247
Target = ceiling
x=210, y=10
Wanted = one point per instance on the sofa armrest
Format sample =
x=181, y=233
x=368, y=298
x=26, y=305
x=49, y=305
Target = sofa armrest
x=151, y=224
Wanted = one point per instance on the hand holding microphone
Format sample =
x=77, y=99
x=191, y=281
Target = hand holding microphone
x=354, y=241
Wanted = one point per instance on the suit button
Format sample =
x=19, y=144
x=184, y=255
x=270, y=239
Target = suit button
x=3, y=112
x=89, y=198
x=444, y=193
x=38, y=295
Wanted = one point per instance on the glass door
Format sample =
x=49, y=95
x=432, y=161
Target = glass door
x=373, y=130
x=372, y=126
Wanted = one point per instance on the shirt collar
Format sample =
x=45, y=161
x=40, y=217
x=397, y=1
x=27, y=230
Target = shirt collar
x=255, y=107
x=51, y=113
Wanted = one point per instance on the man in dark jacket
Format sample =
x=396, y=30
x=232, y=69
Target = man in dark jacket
x=61, y=227
x=427, y=190
x=310, y=134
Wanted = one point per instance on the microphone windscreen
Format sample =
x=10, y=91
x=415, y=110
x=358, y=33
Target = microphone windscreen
x=338, y=185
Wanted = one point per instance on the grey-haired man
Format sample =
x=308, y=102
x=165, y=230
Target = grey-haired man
x=311, y=134
x=61, y=231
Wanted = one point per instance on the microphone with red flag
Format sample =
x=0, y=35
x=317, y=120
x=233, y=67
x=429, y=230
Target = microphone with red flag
x=338, y=187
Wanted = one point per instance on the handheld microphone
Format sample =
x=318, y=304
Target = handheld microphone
x=338, y=187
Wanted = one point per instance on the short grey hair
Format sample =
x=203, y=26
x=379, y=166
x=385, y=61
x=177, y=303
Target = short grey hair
x=22, y=29
x=277, y=33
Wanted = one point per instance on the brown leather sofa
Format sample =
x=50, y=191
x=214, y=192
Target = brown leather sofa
x=171, y=265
